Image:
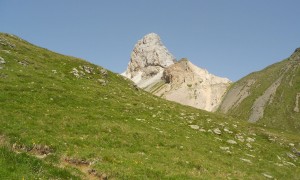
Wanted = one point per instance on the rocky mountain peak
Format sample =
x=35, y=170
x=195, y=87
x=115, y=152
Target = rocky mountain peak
x=154, y=69
x=151, y=38
x=148, y=60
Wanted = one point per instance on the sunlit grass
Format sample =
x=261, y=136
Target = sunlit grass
x=120, y=131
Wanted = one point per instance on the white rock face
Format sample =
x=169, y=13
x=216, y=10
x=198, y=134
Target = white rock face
x=148, y=60
x=190, y=85
x=154, y=69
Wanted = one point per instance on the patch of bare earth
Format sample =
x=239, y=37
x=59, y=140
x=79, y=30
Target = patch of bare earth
x=3, y=140
x=84, y=166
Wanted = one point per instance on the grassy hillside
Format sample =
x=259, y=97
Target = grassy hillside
x=62, y=116
x=280, y=109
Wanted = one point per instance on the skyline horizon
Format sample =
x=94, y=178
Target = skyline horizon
x=177, y=59
x=229, y=39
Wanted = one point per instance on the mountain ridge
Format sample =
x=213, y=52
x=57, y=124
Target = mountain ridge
x=194, y=86
x=266, y=95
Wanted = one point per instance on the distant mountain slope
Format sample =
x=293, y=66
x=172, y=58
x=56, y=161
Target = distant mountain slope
x=154, y=69
x=62, y=118
x=269, y=97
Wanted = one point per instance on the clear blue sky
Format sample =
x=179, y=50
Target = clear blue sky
x=229, y=38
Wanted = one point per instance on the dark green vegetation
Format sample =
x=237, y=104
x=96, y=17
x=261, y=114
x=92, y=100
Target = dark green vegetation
x=92, y=123
x=278, y=87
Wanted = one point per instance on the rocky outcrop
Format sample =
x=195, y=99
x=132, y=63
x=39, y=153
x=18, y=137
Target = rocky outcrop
x=154, y=69
x=190, y=85
x=148, y=60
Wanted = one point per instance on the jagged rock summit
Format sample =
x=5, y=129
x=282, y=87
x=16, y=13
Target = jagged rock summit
x=148, y=60
x=153, y=68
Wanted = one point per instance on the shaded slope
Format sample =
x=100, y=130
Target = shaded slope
x=269, y=97
x=94, y=124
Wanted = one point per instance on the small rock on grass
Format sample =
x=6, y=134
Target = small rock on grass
x=248, y=145
x=102, y=82
x=267, y=176
x=249, y=139
x=292, y=156
x=231, y=141
x=246, y=160
x=194, y=127
x=217, y=131
x=228, y=131
x=103, y=72
x=202, y=130
x=296, y=152
x=239, y=137
x=291, y=144
x=224, y=148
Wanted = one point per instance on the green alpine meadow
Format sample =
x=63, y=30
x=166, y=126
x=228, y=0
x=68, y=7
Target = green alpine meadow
x=62, y=117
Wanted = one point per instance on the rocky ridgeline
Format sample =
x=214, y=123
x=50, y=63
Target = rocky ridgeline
x=296, y=55
x=260, y=96
x=154, y=69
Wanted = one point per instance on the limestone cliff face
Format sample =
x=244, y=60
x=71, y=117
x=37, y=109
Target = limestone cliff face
x=148, y=60
x=154, y=69
x=190, y=85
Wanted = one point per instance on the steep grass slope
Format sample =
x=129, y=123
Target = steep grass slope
x=63, y=117
x=269, y=97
